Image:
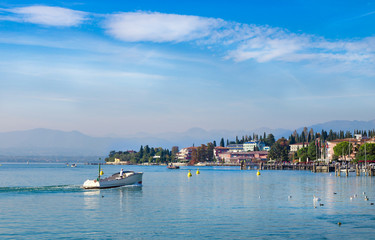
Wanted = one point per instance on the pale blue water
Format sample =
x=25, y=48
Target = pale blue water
x=45, y=201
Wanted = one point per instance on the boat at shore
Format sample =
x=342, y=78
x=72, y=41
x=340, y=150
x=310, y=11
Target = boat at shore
x=171, y=166
x=349, y=170
x=116, y=180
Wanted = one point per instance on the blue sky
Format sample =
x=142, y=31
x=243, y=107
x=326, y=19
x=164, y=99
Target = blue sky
x=122, y=67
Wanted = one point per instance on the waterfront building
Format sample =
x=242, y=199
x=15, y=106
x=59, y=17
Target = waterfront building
x=253, y=146
x=296, y=146
x=357, y=141
x=184, y=155
x=235, y=147
x=219, y=150
x=237, y=157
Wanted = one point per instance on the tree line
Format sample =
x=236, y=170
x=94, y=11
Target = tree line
x=279, y=150
x=269, y=139
x=316, y=145
x=144, y=155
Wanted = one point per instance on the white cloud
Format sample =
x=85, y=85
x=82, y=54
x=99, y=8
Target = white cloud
x=159, y=27
x=236, y=41
x=275, y=44
x=46, y=15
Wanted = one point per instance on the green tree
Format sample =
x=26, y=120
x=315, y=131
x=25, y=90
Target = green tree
x=222, y=142
x=210, y=152
x=341, y=150
x=140, y=153
x=279, y=150
x=311, y=151
x=194, y=156
x=302, y=154
x=270, y=140
x=366, y=150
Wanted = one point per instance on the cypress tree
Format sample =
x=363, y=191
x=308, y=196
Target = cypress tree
x=222, y=142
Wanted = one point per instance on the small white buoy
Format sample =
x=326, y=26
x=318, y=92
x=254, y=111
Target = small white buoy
x=364, y=193
x=289, y=196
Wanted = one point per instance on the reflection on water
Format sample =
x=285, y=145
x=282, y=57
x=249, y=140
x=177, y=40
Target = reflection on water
x=220, y=203
x=92, y=197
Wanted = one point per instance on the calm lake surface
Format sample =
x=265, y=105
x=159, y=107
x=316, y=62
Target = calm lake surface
x=45, y=201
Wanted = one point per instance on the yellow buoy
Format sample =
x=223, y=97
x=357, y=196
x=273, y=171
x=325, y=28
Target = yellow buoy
x=101, y=172
x=258, y=173
x=197, y=171
x=189, y=174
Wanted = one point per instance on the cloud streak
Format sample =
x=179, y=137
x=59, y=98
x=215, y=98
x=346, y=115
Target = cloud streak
x=234, y=41
x=46, y=16
x=240, y=42
x=159, y=27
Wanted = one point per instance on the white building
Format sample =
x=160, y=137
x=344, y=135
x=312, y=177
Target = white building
x=235, y=147
x=296, y=146
x=250, y=146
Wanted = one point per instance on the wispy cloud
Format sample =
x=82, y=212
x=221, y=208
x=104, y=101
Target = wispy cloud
x=234, y=41
x=45, y=15
x=240, y=42
x=159, y=27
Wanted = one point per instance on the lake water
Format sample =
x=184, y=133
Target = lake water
x=45, y=201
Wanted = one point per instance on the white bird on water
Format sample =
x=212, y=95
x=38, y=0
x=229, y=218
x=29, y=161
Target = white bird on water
x=316, y=199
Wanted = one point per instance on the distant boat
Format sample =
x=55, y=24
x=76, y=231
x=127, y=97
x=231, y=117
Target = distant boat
x=173, y=167
x=73, y=165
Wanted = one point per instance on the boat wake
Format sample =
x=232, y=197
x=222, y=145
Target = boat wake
x=42, y=189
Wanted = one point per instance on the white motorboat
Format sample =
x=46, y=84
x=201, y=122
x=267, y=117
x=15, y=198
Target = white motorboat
x=349, y=170
x=116, y=180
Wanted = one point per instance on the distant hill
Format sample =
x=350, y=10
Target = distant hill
x=46, y=142
x=50, y=142
x=344, y=125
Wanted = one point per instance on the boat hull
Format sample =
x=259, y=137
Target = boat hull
x=114, y=181
x=173, y=167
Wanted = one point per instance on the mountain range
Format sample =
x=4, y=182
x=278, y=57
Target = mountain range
x=47, y=142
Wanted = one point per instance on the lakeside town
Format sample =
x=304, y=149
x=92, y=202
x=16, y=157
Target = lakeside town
x=300, y=148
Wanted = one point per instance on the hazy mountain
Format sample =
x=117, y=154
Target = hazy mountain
x=344, y=125
x=46, y=142
x=50, y=142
